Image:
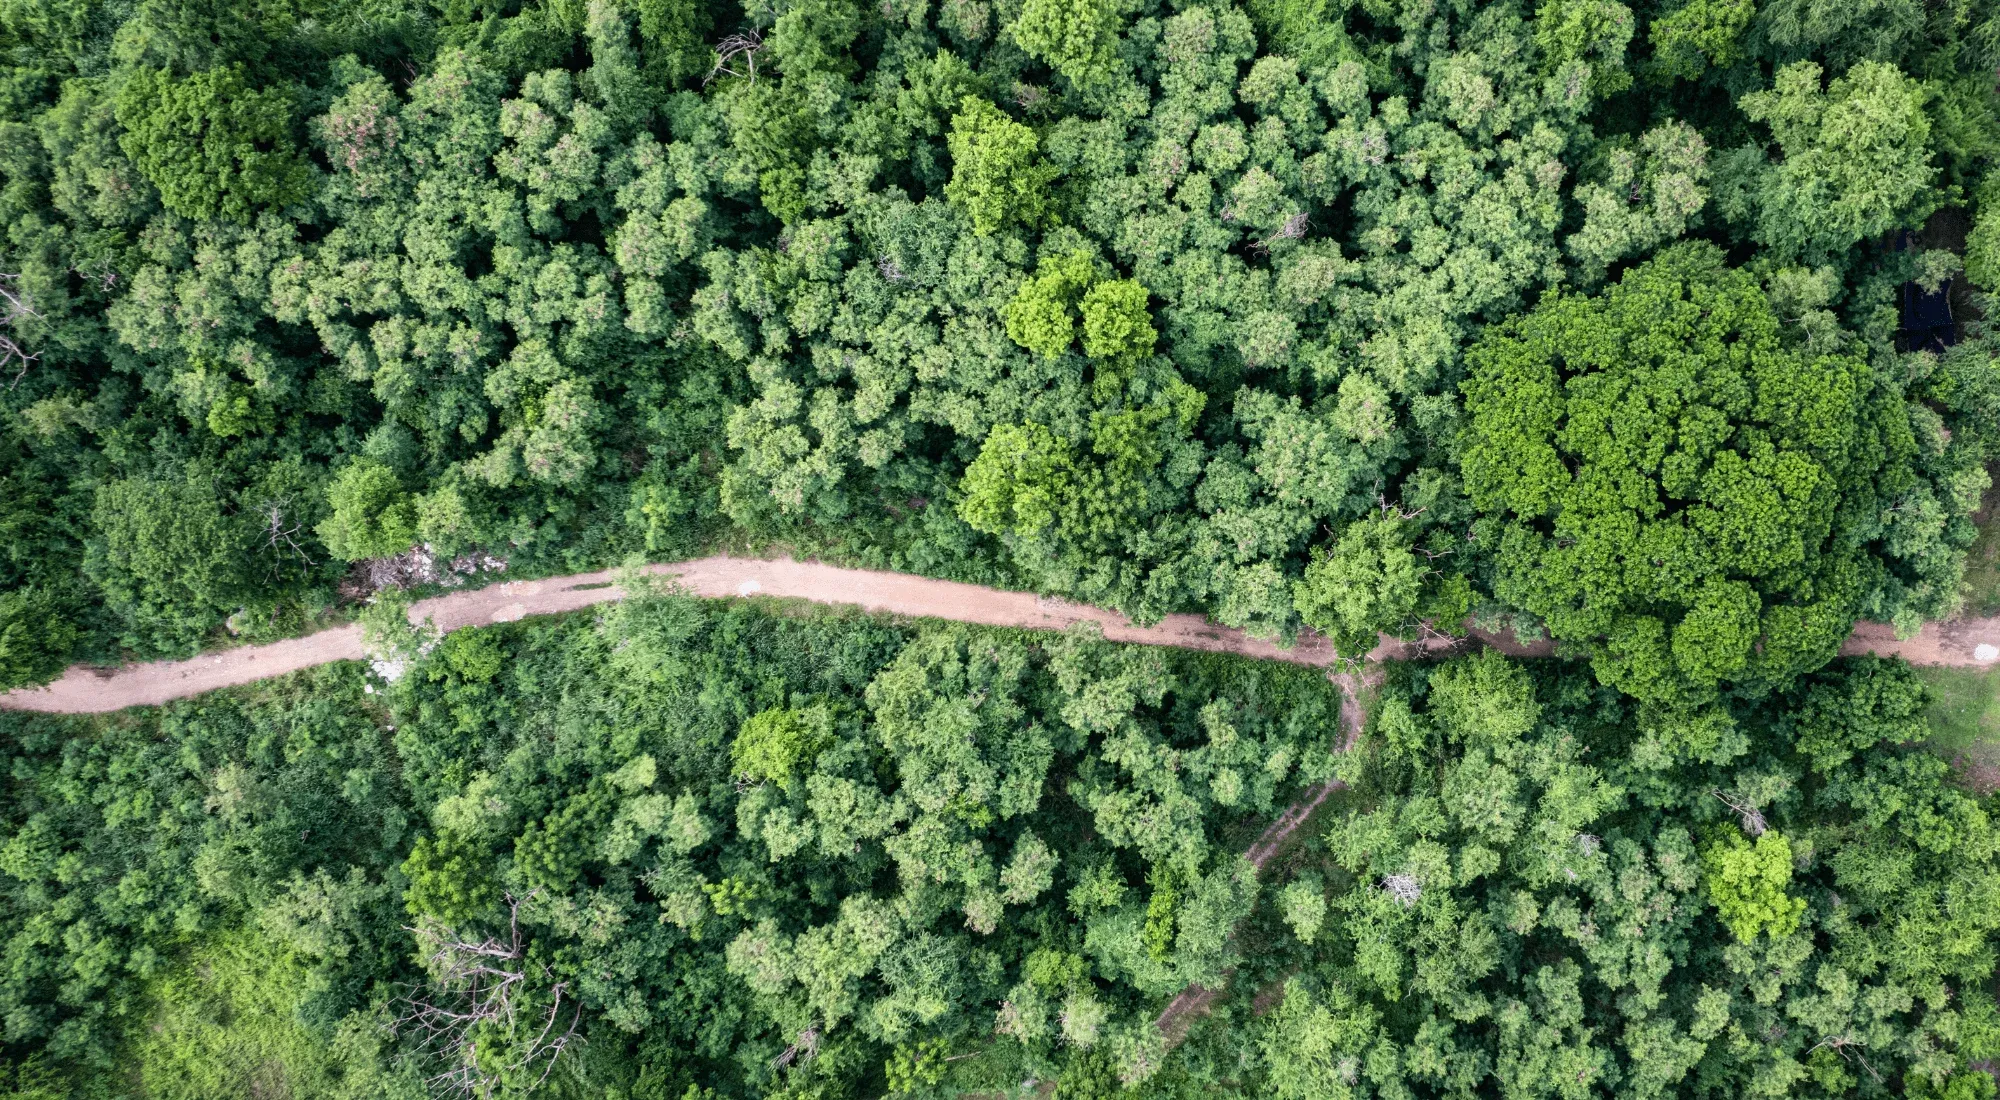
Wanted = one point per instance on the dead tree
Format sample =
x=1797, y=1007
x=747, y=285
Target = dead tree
x=15, y=307
x=1404, y=888
x=1753, y=818
x=281, y=529
x=478, y=987
x=806, y=1046
x=737, y=47
x=1293, y=228
x=1842, y=1045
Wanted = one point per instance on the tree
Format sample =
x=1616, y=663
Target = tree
x=775, y=745
x=1856, y=159
x=1587, y=37
x=1042, y=314
x=1646, y=197
x=1665, y=478
x=1698, y=35
x=36, y=637
x=1746, y=883
x=1315, y=1043
x=215, y=146
x=1074, y=37
x=372, y=516
x=172, y=561
x=1116, y=324
x=1368, y=583
x=996, y=177
x=1982, y=244
x=673, y=32
x=1020, y=483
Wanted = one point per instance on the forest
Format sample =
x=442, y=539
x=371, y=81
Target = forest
x=1655, y=330
x=1349, y=315
x=690, y=850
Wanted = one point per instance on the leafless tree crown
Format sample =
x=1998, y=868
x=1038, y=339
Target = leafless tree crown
x=1752, y=817
x=737, y=49
x=281, y=528
x=482, y=986
x=15, y=307
x=1404, y=888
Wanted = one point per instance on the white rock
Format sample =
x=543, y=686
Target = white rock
x=1986, y=653
x=747, y=587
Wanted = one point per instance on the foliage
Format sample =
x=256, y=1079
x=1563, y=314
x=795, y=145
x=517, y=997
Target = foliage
x=1373, y=582
x=372, y=517
x=768, y=854
x=1672, y=482
x=557, y=283
x=1856, y=158
x=995, y=176
x=1074, y=37
x=215, y=146
x=1526, y=902
x=1354, y=316
x=170, y=557
x=1746, y=882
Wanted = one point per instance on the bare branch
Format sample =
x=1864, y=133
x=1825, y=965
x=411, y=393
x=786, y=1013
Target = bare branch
x=1396, y=510
x=1840, y=1045
x=737, y=47
x=281, y=529
x=15, y=307
x=1753, y=818
x=485, y=981
x=805, y=1046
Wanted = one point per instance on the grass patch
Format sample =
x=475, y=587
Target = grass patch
x=1965, y=720
x=1965, y=707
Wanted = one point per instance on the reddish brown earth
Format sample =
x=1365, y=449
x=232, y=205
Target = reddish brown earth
x=93, y=691
x=82, y=690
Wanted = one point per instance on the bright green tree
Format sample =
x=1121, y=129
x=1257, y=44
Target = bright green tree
x=1115, y=322
x=776, y=745
x=372, y=516
x=1020, y=483
x=215, y=146
x=1746, y=883
x=996, y=177
x=1664, y=476
x=1041, y=316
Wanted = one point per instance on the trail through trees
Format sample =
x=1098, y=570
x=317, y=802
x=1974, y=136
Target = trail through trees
x=83, y=690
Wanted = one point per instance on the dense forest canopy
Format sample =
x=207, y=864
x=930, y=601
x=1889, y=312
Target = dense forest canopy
x=703, y=850
x=1293, y=313
x=1656, y=327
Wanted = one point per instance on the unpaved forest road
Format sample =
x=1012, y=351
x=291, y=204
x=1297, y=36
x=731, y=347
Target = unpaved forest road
x=82, y=690
x=95, y=691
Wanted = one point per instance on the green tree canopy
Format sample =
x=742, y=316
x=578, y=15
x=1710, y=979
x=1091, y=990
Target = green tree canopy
x=1856, y=159
x=214, y=145
x=1672, y=483
x=996, y=177
x=372, y=516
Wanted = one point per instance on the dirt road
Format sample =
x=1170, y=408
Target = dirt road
x=92, y=691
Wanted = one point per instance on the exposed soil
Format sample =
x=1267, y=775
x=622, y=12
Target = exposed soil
x=82, y=690
x=85, y=690
x=1195, y=1001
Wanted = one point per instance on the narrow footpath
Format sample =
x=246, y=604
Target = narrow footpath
x=85, y=690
